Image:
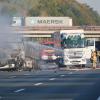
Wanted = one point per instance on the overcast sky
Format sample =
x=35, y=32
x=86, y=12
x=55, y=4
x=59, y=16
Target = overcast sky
x=95, y=4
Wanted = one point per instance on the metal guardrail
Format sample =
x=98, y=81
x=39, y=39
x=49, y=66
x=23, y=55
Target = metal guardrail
x=90, y=31
x=86, y=28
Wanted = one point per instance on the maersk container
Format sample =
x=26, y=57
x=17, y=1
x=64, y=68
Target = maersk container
x=48, y=21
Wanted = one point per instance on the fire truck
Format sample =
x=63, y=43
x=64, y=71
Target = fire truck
x=48, y=53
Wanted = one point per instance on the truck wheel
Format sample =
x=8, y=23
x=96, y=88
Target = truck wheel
x=83, y=65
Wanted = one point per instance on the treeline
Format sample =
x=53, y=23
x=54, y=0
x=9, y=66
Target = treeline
x=81, y=14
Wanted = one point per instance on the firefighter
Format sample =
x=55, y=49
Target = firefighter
x=94, y=59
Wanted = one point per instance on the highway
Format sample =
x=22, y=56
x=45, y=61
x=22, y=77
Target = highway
x=50, y=85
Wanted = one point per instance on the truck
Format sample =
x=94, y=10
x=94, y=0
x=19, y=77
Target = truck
x=10, y=59
x=47, y=54
x=73, y=47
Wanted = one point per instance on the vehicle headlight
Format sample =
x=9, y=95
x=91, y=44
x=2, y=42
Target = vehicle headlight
x=44, y=57
x=54, y=57
x=12, y=65
x=58, y=56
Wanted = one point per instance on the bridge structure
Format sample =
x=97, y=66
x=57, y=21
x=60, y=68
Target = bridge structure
x=45, y=32
x=90, y=31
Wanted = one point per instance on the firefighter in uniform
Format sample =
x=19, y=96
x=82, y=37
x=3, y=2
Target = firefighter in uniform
x=94, y=59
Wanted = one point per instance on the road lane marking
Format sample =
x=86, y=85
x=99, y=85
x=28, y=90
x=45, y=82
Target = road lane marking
x=98, y=98
x=27, y=74
x=51, y=79
x=19, y=90
x=37, y=84
x=70, y=73
x=62, y=75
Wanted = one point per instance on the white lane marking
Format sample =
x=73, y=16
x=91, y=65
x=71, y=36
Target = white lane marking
x=37, y=84
x=98, y=98
x=16, y=91
x=62, y=75
x=51, y=79
x=70, y=73
x=26, y=74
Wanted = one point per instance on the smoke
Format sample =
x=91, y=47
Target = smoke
x=9, y=40
x=33, y=49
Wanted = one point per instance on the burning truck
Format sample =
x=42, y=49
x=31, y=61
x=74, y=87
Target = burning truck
x=10, y=60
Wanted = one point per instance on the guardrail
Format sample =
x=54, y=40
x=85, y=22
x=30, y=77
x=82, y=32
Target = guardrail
x=86, y=28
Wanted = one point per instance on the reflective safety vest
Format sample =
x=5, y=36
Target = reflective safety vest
x=94, y=56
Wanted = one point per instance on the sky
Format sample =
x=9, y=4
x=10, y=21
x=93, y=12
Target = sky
x=95, y=4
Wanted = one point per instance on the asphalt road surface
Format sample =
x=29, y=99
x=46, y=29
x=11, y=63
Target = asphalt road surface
x=50, y=85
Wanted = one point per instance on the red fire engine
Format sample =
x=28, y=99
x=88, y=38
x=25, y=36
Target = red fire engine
x=48, y=53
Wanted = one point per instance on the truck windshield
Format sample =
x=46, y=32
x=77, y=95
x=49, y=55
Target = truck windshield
x=72, y=41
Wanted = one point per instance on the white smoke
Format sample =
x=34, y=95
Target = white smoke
x=8, y=39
